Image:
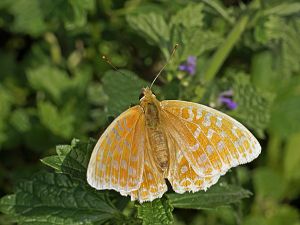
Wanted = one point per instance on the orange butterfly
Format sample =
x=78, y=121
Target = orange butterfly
x=189, y=144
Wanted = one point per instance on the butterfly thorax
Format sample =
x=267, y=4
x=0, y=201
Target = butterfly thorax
x=155, y=133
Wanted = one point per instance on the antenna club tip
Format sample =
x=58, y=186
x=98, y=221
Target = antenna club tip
x=103, y=57
x=176, y=45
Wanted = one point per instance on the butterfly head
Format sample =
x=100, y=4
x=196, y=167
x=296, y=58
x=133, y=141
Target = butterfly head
x=147, y=96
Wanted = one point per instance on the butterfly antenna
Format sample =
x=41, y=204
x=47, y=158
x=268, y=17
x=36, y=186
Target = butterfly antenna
x=110, y=63
x=171, y=56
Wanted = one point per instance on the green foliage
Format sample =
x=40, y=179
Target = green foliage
x=54, y=86
x=218, y=195
x=157, y=212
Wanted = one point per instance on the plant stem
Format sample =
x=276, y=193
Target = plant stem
x=224, y=49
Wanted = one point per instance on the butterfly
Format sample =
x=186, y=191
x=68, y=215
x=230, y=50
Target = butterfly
x=189, y=144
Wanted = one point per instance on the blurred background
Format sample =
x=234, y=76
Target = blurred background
x=240, y=57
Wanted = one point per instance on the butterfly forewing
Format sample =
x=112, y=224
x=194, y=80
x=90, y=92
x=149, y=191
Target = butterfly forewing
x=117, y=159
x=211, y=141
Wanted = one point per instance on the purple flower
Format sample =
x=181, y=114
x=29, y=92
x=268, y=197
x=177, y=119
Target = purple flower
x=225, y=98
x=189, y=66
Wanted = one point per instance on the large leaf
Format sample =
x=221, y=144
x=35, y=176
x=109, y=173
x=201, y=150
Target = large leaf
x=157, y=212
x=56, y=199
x=216, y=196
x=123, y=90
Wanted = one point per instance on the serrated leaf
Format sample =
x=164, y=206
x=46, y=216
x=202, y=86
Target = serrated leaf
x=254, y=106
x=216, y=196
x=190, y=16
x=123, y=90
x=151, y=26
x=157, y=212
x=72, y=159
x=53, y=161
x=56, y=199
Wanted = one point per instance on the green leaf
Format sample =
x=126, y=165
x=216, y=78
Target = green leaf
x=72, y=159
x=216, y=196
x=152, y=26
x=61, y=123
x=56, y=199
x=264, y=180
x=190, y=16
x=292, y=158
x=283, y=9
x=286, y=109
x=50, y=80
x=254, y=105
x=123, y=90
x=157, y=212
x=263, y=73
x=28, y=17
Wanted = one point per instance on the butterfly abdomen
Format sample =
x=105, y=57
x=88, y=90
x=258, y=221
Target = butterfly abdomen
x=159, y=148
x=157, y=138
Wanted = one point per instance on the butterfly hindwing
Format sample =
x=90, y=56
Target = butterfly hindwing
x=211, y=141
x=153, y=184
x=117, y=159
x=181, y=174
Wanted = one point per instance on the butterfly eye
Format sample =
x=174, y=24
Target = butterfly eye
x=141, y=96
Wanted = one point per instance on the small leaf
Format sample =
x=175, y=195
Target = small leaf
x=216, y=196
x=56, y=199
x=50, y=80
x=72, y=159
x=61, y=123
x=157, y=212
x=123, y=90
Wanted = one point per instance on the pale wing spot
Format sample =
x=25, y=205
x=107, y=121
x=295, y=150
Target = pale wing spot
x=223, y=134
x=210, y=133
x=207, y=121
x=209, y=149
x=150, y=177
x=219, y=122
x=191, y=114
x=124, y=164
x=127, y=144
x=117, y=135
x=115, y=164
x=197, y=132
x=199, y=114
x=119, y=126
x=184, y=169
x=119, y=149
x=195, y=147
x=134, y=158
x=202, y=159
x=221, y=145
x=233, y=130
